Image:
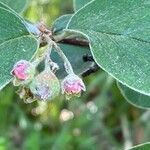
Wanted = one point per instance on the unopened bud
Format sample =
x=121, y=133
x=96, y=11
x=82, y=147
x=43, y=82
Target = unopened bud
x=23, y=71
x=72, y=85
x=45, y=86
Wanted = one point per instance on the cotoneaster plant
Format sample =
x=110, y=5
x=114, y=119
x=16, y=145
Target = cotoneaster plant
x=111, y=35
x=114, y=35
x=44, y=85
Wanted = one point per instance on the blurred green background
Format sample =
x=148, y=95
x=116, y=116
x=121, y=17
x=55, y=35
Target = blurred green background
x=101, y=119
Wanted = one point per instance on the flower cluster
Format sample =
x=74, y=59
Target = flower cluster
x=44, y=85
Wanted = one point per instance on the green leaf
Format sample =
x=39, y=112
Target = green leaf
x=80, y=3
x=75, y=56
x=32, y=28
x=119, y=36
x=2, y=5
x=133, y=97
x=17, y=5
x=61, y=23
x=10, y=26
x=15, y=44
x=145, y=146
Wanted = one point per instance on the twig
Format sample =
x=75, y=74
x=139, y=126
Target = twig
x=78, y=42
x=126, y=133
x=91, y=70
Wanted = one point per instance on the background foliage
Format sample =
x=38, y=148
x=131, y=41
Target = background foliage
x=100, y=119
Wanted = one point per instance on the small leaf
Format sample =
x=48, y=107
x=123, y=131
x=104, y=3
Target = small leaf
x=80, y=3
x=15, y=43
x=133, y=97
x=17, y=5
x=61, y=23
x=145, y=146
x=75, y=55
x=119, y=36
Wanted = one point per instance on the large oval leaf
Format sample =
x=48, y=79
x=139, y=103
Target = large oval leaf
x=4, y=6
x=17, y=5
x=145, y=146
x=119, y=35
x=15, y=44
x=80, y=3
x=133, y=97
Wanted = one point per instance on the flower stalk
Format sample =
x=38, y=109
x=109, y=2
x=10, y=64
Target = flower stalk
x=45, y=85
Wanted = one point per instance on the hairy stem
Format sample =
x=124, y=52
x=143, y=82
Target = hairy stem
x=67, y=64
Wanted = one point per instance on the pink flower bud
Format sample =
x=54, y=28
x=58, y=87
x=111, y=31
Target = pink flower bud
x=72, y=85
x=45, y=86
x=23, y=70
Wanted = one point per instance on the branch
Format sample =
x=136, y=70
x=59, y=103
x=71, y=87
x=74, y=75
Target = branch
x=77, y=42
x=126, y=132
x=91, y=70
